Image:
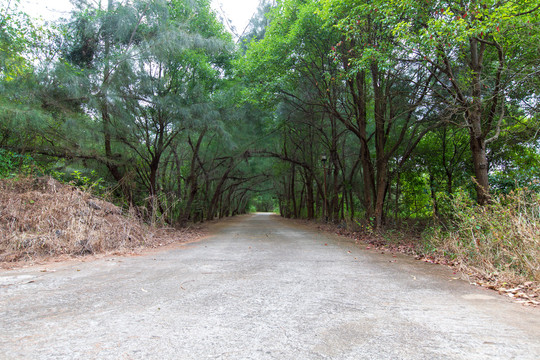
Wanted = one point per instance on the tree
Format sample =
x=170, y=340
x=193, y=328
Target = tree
x=478, y=51
x=152, y=68
x=346, y=54
x=26, y=119
x=18, y=37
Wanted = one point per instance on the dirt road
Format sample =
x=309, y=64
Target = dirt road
x=260, y=288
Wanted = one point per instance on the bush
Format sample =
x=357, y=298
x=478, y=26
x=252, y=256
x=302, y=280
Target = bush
x=500, y=241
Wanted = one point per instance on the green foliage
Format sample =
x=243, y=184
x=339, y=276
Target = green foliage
x=294, y=39
x=90, y=182
x=128, y=89
x=516, y=160
x=264, y=203
x=17, y=37
x=13, y=164
x=416, y=196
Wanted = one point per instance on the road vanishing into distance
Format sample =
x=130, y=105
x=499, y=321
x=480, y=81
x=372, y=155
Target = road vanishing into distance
x=260, y=287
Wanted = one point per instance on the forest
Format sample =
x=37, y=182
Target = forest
x=375, y=115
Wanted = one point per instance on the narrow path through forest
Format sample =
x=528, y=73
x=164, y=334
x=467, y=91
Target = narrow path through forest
x=259, y=288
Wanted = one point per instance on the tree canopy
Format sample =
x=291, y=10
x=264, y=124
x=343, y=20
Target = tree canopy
x=372, y=111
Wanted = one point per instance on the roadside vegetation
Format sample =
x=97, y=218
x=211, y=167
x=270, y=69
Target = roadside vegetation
x=45, y=218
x=413, y=124
x=499, y=243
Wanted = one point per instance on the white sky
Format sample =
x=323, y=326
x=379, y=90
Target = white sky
x=238, y=11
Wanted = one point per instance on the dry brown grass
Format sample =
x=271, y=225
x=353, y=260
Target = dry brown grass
x=498, y=245
x=43, y=218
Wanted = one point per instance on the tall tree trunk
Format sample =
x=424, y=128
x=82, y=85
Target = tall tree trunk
x=301, y=203
x=293, y=192
x=382, y=181
x=480, y=164
x=380, y=143
x=477, y=140
x=351, y=204
x=449, y=182
x=310, y=203
x=398, y=186
x=335, y=194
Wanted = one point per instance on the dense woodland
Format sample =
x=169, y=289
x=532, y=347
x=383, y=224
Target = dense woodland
x=363, y=112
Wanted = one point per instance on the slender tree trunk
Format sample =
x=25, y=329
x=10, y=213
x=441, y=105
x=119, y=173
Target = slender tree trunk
x=351, y=204
x=382, y=181
x=380, y=143
x=309, y=197
x=293, y=192
x=152, y=178
x=433, y=195
x=192, y=182
x=398, y=185
x=358, y=91
x=213, y=203
x=178, y=174
x=335, y=187
x=301, y=203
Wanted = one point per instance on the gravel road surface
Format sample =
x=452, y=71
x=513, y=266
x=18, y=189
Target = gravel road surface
x=259, y=288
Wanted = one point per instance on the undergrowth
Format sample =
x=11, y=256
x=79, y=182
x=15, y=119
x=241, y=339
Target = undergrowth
x=500, y=242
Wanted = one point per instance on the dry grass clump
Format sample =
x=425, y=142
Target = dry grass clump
x=500, y=242
x=42, y=217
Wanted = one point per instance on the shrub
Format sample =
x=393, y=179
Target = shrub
x=13, y=164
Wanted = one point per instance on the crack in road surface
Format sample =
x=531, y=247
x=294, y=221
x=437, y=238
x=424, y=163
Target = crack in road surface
x=259, y=288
